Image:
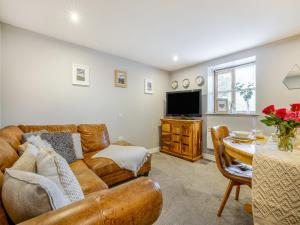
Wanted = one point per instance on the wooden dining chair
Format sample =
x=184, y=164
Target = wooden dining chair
x=238, y=173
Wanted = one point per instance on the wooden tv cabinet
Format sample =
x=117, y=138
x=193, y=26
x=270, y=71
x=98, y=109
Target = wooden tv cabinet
x=182, y=138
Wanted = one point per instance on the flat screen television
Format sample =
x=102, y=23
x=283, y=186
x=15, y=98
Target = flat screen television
x=184, y=103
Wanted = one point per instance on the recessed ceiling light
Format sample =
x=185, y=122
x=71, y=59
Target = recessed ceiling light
x=175, y=58
x=74, y=17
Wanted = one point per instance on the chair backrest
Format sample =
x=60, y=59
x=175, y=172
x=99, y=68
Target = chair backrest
x=218, y=133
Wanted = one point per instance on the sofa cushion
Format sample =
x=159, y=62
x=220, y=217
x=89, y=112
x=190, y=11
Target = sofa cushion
x=8, y=155
x=62, y=143
x=27, y=161
x=94, y=137
x=87, y=179
x=51, y=128
x=12, y=135
x=101, y=166
x=55, y=167
x=26, y=195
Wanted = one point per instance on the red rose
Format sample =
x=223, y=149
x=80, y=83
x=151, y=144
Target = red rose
x=280, y=113
x=291, y=116
x=295, y=107
x=269, y=109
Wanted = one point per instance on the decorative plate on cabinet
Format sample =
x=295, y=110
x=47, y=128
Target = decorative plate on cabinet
x=199, y=81
x=186, y=83
x=174, y=84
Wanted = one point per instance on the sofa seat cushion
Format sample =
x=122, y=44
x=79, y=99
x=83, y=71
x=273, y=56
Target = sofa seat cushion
x=101, y=166
x=109, y=171
x=87, y=179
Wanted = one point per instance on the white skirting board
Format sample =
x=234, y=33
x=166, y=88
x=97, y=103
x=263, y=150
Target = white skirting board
x=153, y=150
x=209, y=156
x=205, y=155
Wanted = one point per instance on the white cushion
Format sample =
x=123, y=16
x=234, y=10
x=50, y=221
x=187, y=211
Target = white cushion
x=55, y=167
x=27, y=161
x=26, y=195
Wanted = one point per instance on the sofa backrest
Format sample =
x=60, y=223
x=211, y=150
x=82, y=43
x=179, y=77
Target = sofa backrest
x=51, y=128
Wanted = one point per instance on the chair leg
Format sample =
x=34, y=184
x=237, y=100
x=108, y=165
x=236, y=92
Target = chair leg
x=237, y=192
x=226, y=195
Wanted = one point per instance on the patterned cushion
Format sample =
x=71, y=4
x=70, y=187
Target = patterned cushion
x=66, y=144
x=240, y=169
x=52, y=165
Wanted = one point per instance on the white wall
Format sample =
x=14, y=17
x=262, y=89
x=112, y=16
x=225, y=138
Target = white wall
x=273, y=62
x=37, y=88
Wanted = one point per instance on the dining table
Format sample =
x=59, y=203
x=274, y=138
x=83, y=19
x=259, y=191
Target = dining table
x=275, y=180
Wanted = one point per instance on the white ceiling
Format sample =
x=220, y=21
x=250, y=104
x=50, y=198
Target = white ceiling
x=152, y=31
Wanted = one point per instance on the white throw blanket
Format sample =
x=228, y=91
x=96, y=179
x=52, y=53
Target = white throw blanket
x=127, y=157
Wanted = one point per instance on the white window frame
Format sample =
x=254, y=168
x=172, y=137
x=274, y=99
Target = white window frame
x=233, y=92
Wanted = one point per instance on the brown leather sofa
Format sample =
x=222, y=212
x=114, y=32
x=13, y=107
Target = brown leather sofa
x=137, y=202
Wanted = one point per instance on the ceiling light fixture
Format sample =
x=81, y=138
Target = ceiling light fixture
x=175, y=58
x=74, y=17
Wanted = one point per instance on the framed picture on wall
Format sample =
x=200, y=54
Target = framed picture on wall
x=221, y=105
x=120, y=79
x=148, y=86
x=80, y=75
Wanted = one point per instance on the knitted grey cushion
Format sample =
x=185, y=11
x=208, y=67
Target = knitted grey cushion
x=62, y=143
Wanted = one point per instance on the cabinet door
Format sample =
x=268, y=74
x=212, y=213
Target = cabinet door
x=186, y=150
x=176, y=148
x=187, y=130
x=187, y=140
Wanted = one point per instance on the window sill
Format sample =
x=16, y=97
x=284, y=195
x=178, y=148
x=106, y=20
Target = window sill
x=252, y=114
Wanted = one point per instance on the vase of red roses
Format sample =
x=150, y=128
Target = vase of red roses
x=286, y=122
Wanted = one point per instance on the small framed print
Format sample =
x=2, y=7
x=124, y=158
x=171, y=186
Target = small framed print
x=148, y=86
x=80, y=75
x=120, y=79
x=222, y=105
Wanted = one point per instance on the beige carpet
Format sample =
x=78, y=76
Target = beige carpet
x=192, y=193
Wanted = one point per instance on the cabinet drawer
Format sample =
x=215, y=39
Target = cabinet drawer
x=186, y=150
x=166, y=137
x=166, y=127
x=176, y=148
x=176, y=129
x=186, y=130
x=176, y=138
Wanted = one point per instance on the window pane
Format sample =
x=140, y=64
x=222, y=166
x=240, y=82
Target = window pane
x=245, y=75
x=227, y=95
x=224, y=81
x=241, y=105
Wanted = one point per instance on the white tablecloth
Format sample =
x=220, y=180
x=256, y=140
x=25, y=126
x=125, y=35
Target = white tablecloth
x=276, y=186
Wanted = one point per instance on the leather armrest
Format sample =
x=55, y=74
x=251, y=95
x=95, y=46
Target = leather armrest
x=136, y=202
x=122, y=143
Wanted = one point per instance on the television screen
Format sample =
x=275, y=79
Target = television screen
x=184, y=103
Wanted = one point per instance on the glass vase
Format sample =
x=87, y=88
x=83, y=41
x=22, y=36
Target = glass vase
x=286, y=138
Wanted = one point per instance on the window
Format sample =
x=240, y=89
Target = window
x=226, y=81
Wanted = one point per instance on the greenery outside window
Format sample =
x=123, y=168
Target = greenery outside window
x=226, y=82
